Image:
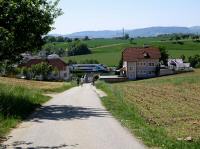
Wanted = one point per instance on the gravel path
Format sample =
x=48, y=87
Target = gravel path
x=74, y=119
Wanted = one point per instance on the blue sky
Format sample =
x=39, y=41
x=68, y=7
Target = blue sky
x=85, y=15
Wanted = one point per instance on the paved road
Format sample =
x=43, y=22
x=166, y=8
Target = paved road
x=74, y=119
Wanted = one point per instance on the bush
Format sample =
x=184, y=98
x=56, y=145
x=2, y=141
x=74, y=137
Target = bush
x=78, y=48
x=72, y=62
x=183, y=57
x=53, y=50
x=43, y=69
x=194, y=61
x=91, y=61
x=198, y=65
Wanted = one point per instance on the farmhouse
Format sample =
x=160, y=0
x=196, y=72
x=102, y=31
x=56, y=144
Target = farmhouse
x=140, y=63
x=56, y=62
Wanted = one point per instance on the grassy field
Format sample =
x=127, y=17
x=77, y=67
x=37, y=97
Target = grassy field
x=39, y=85
x=160, y=111
x=105, y=55
x=19, y=98
x=91, y=43
x=108, y=51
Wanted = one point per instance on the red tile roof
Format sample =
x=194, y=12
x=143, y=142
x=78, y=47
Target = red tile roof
x=56, y=63
x=133, y=54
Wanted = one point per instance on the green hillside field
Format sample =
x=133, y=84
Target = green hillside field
x=108, y=51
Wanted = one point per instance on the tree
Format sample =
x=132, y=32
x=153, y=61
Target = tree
x=131, y=40
x=86, y=38
x=23, y=23
x=43, y=69
x=164, y=55
x=60, y=39
x=78, y=48
x=177, y=37
x=195, y=37
x=68, y=39
x=183, y=57
x=126, y=36
x=194, y=61
x=60, y=51
x=120, y=65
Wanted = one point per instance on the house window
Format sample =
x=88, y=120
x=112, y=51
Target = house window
x=65, y=75
x=151, y=64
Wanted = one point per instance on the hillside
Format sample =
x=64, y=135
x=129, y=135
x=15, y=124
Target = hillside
x=143, y=32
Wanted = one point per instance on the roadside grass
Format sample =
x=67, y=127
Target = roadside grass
x=19, y=98
x=16, y=103
x=159, y=110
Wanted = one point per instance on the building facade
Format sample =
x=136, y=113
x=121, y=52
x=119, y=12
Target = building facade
x=139, y=63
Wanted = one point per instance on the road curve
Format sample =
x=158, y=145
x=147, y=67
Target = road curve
x=74, y=119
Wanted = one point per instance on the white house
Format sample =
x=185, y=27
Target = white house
x=178, y=65
x=140, y=63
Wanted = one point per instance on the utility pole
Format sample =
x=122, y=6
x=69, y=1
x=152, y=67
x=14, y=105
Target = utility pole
x=123, y=33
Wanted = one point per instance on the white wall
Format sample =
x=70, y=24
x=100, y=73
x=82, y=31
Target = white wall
x=143, y=68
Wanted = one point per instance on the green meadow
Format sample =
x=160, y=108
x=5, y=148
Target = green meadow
x=108, y=51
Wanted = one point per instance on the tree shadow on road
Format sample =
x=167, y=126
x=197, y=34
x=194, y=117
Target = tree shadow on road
x=63, y=112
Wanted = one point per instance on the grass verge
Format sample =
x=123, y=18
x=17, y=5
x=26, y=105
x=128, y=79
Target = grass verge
x=19, y=98
x=128, y=114
x=16, y=103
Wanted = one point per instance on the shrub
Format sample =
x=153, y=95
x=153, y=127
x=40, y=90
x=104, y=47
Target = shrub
x=164, y=55
x=91, y=61
x=78, y=48
x=183, y=57
x=194, y=60
x=43, y=69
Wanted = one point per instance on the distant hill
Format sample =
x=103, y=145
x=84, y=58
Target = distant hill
x=143, y=32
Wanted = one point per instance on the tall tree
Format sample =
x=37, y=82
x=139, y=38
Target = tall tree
x=164, y=55
x=23, y=23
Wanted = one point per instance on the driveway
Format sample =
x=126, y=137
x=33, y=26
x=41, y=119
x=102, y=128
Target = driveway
x=74, y=119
